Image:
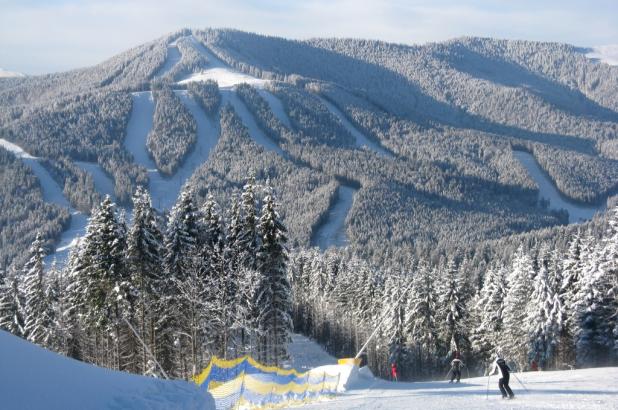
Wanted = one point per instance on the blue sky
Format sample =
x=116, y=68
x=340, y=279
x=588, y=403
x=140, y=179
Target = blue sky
x=38, y=36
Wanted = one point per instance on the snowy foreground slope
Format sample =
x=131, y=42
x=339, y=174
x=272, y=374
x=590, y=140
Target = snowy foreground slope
x=34, y=378
x=589, y=389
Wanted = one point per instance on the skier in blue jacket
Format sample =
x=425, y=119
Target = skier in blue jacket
x=503, y=383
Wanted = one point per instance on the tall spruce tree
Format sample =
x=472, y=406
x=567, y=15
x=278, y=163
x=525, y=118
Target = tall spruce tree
x=273, y=296
x=38, y=314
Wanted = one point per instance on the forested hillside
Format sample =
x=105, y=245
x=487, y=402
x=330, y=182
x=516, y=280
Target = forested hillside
x=424, y=136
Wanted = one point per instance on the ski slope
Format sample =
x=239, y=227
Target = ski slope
x=362, y=141
x=606, y=54
x=219, y=71
x=34, y=378
x=589, y=389
x=52, y=193
x=332, y=232
x=103, y=183
x=547, y=190
x=163, y=189
x=171, y=59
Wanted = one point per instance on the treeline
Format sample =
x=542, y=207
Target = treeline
x=552, y=303
x=204, y=284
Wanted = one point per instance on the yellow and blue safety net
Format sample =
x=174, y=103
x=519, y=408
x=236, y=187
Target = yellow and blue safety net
x=245, y=383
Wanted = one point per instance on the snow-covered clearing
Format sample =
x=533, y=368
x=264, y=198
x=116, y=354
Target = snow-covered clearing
x=256, y=133
x=332, y=232
x=220, y=72
x=103, y=183
x=362, y=141
x=164, y=190
x=607, y=54
x=589, y=389
x=171, y=59
x=276, y=107
x=548, y=190
x=52, y=193
x=34, y=378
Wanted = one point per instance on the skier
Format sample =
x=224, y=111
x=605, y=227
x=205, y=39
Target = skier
x=503, y=382
x=394, y=372
x=456, y=366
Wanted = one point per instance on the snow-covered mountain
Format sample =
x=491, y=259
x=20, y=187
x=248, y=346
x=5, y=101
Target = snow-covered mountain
x=8, y=74
x=340, y=124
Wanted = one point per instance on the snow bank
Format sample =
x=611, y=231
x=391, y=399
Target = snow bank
x=607, y=54
x=34, y=378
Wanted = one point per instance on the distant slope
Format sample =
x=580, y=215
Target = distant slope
x=34, y=378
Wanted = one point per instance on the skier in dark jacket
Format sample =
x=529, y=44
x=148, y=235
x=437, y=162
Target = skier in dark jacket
x=503, y=383
x=456, y=366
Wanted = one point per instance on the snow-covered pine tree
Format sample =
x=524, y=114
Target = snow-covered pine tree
x=421, y=322
x=106, y=287
x=144, y=260
x=489, y=308
x=248, y=236
x=544, y=318
x=11, y=305
x=451, y=309
x=174, y=321
x=513, y=342
x=38, y=314
x=596, y=308
x=274, y=298
x=394, y=326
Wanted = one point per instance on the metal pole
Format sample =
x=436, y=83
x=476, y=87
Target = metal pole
x=145, y=347
x=380, y=321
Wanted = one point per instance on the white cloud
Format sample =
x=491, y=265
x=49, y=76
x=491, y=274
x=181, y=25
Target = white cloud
x=48, y=36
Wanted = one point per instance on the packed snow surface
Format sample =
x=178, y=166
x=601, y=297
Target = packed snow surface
x=220, y=72
x=333, y=231
x=607, y=54
x=276, y=107
x=362, y=141
x=34, y=378
x=548, y=191
x=589, y=389
x=164, y=190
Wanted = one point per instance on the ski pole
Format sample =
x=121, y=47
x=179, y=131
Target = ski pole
x=468, y=371
x=522, y=385
x=487, y=391
x=449, y=372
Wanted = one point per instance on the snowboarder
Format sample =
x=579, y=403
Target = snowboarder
x=456, y=366
x=503, y=382
x=394, y=372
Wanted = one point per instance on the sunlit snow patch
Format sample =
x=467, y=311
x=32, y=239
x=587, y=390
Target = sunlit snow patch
x=606, y=54
x=9, y=74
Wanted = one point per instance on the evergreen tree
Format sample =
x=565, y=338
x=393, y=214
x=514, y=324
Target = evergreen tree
x=544, y=313
x=144, y=264
x=11, y=306
x=273, y=296
x=38, y=314
x=451, y=307
x=514, y=340
x=420, y=320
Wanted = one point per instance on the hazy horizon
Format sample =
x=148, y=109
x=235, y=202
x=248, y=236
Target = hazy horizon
x=39, y=37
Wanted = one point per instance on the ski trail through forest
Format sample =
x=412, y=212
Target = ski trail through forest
x=547, y=190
